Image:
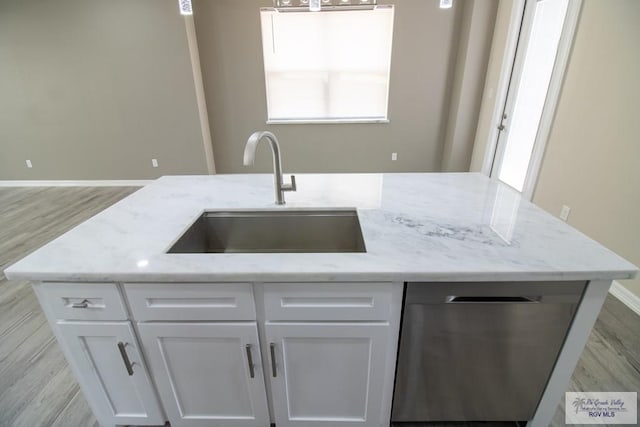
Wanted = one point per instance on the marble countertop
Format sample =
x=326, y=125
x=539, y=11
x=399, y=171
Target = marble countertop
x=416, y=227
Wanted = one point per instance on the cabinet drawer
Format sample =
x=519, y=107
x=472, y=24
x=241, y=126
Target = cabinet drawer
x=82, y=301
x=327, y=301
x=191, y=301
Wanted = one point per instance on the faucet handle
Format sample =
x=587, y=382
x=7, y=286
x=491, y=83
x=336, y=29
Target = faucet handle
x=290, y=187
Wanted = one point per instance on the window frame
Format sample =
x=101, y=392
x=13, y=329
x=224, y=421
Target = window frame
x=329, y=120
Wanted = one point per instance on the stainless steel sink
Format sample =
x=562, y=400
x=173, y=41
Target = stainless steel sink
x=273, y=231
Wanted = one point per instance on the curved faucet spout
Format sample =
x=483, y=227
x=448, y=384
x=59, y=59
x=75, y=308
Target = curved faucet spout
x=250, y=156
x=252, y=143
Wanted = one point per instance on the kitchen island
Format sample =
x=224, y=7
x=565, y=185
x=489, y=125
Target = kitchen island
x=109, y=287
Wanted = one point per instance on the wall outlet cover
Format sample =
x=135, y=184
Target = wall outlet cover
x=564, y=212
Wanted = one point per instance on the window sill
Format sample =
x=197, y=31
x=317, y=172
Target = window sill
x=323, y=121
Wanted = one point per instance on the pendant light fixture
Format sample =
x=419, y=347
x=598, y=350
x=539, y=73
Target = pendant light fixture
x=317, y=5
x=314, y=5
x=185, y=7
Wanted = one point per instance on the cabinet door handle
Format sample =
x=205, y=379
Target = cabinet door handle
x=272, y=348
x=125, y=358
x=83, y=304
x=250, y=361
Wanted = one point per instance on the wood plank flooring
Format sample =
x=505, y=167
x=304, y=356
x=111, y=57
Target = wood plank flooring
x=38, y=389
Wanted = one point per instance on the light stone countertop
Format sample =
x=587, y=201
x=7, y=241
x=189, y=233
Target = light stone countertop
x=416, y=227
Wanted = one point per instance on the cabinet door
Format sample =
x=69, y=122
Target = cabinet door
x=208, y=374
x=109, y=365
x=327, y=374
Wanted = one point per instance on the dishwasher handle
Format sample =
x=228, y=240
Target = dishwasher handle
x=453, y=299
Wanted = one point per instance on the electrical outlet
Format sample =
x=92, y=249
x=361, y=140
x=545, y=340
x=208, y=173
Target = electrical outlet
x=564, y=212
x=29, y=164
x=154, y=163
x=394, y=156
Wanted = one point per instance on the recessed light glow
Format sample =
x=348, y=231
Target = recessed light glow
x=185, y=7
x=446, y=4
x=143, y=263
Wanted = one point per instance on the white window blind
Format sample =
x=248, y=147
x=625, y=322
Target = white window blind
x=327, y=66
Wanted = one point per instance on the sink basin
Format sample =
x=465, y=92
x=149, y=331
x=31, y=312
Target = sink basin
x=273, y=231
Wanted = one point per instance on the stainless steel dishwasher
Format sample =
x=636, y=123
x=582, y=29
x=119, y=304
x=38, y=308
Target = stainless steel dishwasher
x=479, y=351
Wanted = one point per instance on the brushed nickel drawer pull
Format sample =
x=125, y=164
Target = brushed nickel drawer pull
x=272, y=348
x=125, y=358
x=250, y=361
x=84, y=304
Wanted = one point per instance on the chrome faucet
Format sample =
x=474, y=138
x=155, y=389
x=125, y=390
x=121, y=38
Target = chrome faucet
x=250, y=156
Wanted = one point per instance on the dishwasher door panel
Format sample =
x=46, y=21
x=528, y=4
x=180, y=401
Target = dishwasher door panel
x=477, y=361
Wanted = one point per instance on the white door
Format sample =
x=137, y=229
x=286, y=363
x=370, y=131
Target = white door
x=327, y=374
x=207, y=374
x=109, y=365
x=543, y=48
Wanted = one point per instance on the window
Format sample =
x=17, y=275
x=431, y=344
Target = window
x=330, y=66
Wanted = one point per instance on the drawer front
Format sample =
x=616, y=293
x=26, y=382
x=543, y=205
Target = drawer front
x=83, y=301
x=191, y=301
x=327, y=301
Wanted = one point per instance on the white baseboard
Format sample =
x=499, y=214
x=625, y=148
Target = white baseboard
x=83, y=183
x=627, y=297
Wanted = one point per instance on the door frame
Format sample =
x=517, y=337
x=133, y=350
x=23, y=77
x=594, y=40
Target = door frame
x=521, y=22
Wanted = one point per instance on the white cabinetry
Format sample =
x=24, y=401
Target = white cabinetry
x=202, y=343
x=332, y=352
x=328, y=374
x=104, y=355
x=191, y=301
x=208, y=374
x=230, y=354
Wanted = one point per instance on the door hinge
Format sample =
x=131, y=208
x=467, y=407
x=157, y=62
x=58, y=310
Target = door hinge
x=502, y=126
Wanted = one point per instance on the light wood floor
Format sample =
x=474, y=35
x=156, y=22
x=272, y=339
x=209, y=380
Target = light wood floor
x=36, y=386
x=38, y=389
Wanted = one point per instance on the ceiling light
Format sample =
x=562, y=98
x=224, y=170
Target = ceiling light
x=446, y=4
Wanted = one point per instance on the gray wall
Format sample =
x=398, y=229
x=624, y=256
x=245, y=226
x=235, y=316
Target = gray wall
x=422, y=70
x=592, y=160
x=94, y=89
